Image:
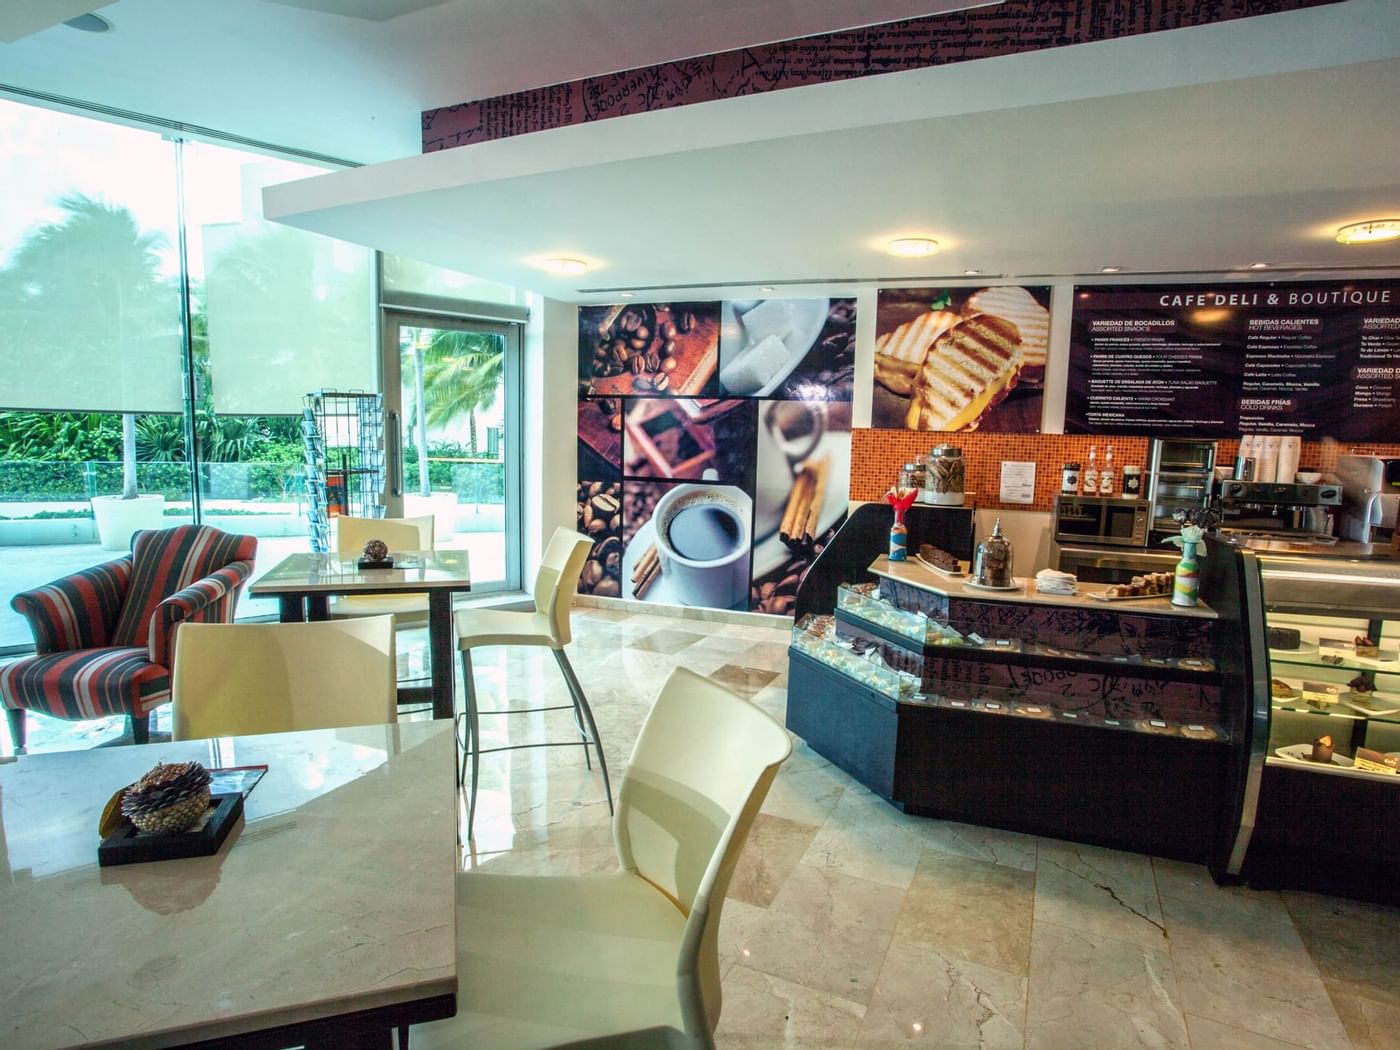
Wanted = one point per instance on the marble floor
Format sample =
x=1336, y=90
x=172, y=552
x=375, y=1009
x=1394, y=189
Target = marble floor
x=849, y=924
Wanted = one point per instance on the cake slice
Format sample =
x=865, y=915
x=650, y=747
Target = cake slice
x=971, y=367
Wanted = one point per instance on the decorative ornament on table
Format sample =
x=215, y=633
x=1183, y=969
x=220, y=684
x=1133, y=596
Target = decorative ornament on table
x=1194, y=522
x=375, y=555
x=901, y=500
x=170, y=798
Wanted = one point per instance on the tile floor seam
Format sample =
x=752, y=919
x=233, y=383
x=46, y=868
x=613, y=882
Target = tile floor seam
x=1241, y=1028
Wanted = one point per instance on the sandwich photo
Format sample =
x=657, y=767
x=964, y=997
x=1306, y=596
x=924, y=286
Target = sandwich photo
x=949, y=359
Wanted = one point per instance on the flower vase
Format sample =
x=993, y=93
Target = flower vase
x=1188, y=579
x=899, y=542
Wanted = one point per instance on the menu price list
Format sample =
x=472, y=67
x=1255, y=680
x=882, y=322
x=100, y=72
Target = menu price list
x=1317, y=359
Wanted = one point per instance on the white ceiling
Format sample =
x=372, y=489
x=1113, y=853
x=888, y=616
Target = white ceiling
x=349, y=79
x=1198, y=150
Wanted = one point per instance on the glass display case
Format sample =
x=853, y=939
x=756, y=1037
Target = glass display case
x=1333, y=651
x=1322, y=794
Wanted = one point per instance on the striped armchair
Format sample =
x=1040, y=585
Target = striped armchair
x=104, y=638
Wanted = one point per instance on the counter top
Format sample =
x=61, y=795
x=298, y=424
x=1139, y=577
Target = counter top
x=918, y=575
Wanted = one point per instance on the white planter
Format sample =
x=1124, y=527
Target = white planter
x=118, y=518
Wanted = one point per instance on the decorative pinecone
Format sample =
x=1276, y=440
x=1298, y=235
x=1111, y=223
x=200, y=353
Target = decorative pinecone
x=376, y=550
x=170, y=797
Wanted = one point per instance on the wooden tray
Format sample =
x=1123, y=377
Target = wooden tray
x=126, y=845
x=1100, y=596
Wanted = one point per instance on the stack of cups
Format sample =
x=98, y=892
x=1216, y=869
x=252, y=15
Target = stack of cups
x=1268, y=458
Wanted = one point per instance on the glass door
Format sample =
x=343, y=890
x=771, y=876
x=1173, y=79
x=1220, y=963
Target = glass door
x=450, y=413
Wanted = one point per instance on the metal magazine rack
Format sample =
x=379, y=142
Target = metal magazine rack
x=344, y=437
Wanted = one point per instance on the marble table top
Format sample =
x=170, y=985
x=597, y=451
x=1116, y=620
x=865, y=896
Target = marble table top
x=334, y=894
x=334, y=574
x=916, y=574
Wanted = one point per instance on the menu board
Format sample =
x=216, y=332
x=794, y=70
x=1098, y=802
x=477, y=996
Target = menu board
x=1317, y=359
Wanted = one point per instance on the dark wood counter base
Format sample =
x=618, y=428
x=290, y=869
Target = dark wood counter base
x=1081, y=782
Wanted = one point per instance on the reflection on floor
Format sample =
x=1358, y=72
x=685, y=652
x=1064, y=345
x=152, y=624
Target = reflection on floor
x=849, y=924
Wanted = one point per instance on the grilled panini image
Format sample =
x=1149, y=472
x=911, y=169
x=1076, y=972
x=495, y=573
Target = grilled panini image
x=901, y=353
x=1018, y=306
x=971, y=367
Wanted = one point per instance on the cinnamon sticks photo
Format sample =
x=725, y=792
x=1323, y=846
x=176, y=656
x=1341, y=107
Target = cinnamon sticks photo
x=799, y=526
x=648, y=568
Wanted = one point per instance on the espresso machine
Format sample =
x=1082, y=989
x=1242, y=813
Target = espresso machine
x=1371, y=497
x=1274, y=515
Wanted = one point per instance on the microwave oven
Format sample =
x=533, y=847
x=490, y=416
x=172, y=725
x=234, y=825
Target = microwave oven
x=1101, y=521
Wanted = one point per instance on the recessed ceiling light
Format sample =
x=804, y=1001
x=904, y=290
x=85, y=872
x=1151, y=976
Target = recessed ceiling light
x=766, y=288
x=626, y=295
x=1259, y=266
x=1369, y=232
x=564, y=265
x=972, y=273
x=88, y=23
x=912, y=247
x=1110, y=269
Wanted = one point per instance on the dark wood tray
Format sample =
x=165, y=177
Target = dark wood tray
x=126, y=845
x=365, y=563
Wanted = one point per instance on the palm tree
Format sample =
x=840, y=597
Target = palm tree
x=89, y=287
x=463, y=371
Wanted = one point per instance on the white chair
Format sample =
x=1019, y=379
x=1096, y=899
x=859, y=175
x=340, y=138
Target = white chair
x=629, y=958
x=548, y=626
x=400, y=534
x=232, y=679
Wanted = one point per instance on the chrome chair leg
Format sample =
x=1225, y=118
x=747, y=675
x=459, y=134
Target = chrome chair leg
x=581, y=702
x=472, y=748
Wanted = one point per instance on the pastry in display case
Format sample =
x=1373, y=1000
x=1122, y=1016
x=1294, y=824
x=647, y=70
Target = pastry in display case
x=1323, y=792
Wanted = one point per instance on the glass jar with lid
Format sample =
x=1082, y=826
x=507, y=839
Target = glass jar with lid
x=946, y=477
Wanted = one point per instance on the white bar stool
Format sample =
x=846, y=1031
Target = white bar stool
x=548, y=626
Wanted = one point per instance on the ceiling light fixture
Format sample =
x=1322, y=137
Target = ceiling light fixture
x=912, y=247
x=564, y=265
x=972, y=273
x=1259, y=266
x=766, y=288
x=1369, y=232
x=1110, y=269
x=88, y=23
x=626, y=295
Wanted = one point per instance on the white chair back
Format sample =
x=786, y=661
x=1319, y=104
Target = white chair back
x=702, y=765
x=557, y=580
x=235, y=679
x=400, y=534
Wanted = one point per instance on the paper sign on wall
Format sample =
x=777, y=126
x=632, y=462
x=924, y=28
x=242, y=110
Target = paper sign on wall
x=1018, y=482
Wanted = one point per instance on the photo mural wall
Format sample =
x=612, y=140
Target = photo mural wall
x=714, y=447
x=959, y=359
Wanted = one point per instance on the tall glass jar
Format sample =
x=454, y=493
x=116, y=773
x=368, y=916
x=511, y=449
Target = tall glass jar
x=946, y=477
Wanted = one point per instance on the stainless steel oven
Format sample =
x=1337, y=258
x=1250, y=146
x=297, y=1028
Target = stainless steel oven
x=1101, y=521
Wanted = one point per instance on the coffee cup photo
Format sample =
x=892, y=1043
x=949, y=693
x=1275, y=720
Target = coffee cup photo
x=694, y=550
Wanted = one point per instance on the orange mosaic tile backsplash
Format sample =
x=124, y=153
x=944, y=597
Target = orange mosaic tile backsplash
x=877, y=455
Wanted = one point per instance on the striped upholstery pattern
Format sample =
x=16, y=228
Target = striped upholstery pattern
x=78, y=611
x=210, y=600
x=168, y=560
x=89, y=683
x=105, y=636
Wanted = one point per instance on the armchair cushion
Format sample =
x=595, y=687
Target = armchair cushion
x=165, y=561
x=90, y=683
x=77, y=612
